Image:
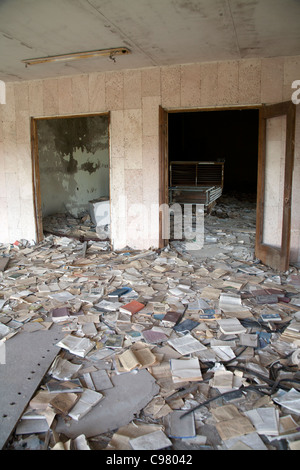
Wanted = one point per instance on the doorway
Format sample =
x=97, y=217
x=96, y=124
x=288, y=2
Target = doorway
x=229, y=136
x=71, y=176
x=275, y=255
x=212, y=161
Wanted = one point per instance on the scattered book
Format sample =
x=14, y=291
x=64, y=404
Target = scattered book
x=171, y=318
x=208, y=314
x=138, y=359
x=114, y=341
x=60, y=314
x=185, y=370
x=270, y=317
x=3, y=263
x=267, y=299
x=132, y=307
x=66, y=386
x=78, y=346
x=101, y=380
x=105, y=305
x=153, y=336
x=116, y=294
x=152, y=441
x=265, y=420
x=187, y=344
x=181, y=427
x=186, y=325
x=231, y=326
x=87, y=401
x=63, y=403
x=62, y=369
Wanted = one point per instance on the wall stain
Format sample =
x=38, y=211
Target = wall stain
x=74, y=162
x=90, y=167
x=89, y=133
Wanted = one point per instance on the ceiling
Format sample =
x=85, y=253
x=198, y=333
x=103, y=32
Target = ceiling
x=157, y=32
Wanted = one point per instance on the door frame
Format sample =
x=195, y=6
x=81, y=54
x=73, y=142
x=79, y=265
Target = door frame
x=260, y=249
x=37, y=200
x=276, y=257
x=164, y=156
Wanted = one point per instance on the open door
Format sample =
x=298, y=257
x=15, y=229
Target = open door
x=274, y=189
x=163, y=174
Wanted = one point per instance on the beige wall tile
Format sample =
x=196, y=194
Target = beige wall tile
x=136, y=220
x=228, y=82
x=151, y=82
x=13, y=190
x=80, y=91
x=117, y=134
x=4, y=236
x=114, y=90
x=2, y=172
x=117, y=202
x=190, y=85
x=249, y=81
x=132, y=89
x=1, y=123
x=9, y=131
x=27, y=214
x=171, y=86
x=97, y=92
x=133, y=139
x=8, y=110
x=134, y=186
x=22, y=96
x=35, y=93
x=25, y=170
x=50, y=97
x=10, y=156
x=151, y=188
x=209, y=84
x=65, y=96
x=272, y=80
x=150, y=169
x=295, y=244
x=22, y=127
x=151, y=115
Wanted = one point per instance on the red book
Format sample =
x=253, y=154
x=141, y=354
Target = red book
x=133, y=307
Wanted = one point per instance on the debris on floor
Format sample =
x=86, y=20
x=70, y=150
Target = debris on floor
x=83, y=228
x=162, y=349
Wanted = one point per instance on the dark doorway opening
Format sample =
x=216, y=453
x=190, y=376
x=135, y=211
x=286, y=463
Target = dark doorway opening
x=212, y=136
x=219, y=135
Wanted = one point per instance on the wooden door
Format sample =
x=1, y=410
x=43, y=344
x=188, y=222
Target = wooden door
x=274, y=190
x=36, y=182
x=163, y=174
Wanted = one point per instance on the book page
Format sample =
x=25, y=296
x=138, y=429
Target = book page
x=128, y=360
x=145, y=357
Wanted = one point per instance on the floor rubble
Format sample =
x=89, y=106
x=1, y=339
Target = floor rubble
x=207, y=359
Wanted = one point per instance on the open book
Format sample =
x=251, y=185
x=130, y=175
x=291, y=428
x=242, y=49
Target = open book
x=139, y=359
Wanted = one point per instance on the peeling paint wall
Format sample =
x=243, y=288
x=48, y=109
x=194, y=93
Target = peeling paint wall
x=73, y=162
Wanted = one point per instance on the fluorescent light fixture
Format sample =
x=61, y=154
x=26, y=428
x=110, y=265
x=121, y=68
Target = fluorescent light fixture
x=79, y=55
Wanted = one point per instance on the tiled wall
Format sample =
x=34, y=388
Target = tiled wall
x=133, y=98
